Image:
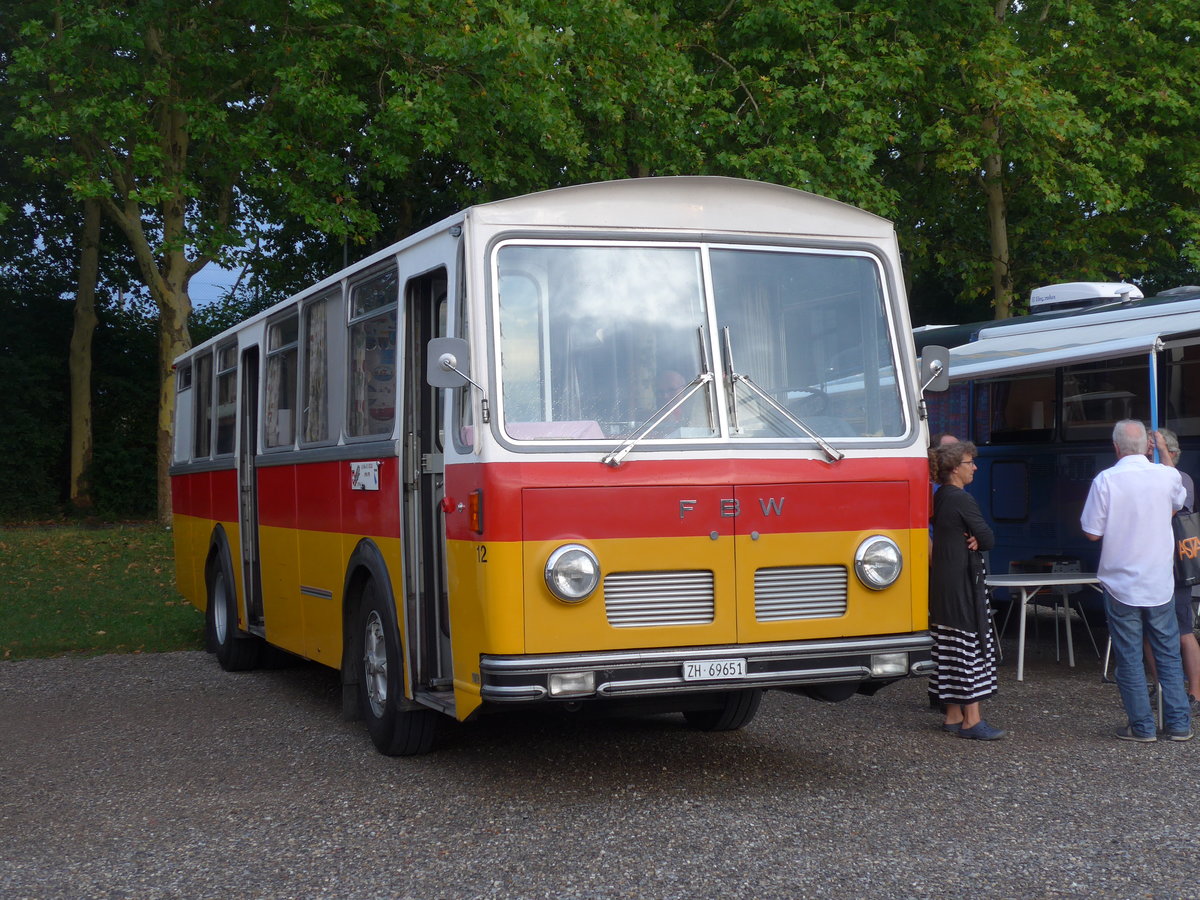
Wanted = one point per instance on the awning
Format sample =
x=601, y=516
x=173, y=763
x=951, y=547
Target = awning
x=1028, y=345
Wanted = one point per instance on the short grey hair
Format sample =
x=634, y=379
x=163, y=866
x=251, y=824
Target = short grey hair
x=1170, y=439
x=1129, y=436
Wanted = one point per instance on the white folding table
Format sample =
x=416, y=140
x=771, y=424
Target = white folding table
x=1029, y=583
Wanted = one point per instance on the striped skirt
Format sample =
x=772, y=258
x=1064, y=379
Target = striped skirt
x=964, y=667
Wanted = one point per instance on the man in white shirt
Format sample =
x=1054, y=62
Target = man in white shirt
x=1130, y=505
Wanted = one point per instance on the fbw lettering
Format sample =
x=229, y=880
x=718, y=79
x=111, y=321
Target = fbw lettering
x=731, y=507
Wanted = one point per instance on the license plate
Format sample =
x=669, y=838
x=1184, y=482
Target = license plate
x=713, y=669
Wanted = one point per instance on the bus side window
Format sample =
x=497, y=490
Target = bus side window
x=226, y=398
x=463, y=410
x=280, y=421
x=320, y=324
x=203, y=408
x=372, y=354
x=183, y=412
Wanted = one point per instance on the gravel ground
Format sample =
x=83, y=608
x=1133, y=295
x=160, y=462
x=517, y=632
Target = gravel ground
x=162, y=776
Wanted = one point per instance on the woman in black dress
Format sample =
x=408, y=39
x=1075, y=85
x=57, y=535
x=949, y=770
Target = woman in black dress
x=964, y=650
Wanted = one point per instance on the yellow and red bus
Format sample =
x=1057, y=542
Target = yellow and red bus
x=654, y=443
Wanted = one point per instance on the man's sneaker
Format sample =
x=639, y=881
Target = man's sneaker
x=1128, y=734
x=1178, y=735
x=981, y=731
x=1195, y=705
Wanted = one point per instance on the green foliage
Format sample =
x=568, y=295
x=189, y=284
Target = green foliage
x=33, y=342
x=305, y=135
x=1092, y=168
x=125, y=387
x=799, y=92
x=92, y=591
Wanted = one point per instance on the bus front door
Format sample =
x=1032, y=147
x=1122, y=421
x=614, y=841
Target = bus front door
x=424, y=533
x=248, y=492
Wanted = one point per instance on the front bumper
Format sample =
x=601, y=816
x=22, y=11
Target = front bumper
x=648, y=673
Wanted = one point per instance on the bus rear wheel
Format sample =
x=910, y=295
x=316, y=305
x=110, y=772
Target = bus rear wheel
x=395, y=731
x=734, y=710
x=235, y=652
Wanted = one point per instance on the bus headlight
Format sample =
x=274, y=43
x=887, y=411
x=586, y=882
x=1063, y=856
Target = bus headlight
x=572, y=573
x=877, y=562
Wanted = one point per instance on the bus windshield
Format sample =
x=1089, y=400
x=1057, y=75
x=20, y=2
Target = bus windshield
x=596, y=341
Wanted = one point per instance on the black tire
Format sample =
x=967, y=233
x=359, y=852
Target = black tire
x=395, y=731
x=236, y=652
x=735, y=710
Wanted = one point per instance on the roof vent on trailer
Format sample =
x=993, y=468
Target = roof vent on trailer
x=1080, y=295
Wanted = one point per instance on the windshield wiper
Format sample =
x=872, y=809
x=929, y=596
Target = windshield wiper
x=735, y=378
x=613, y=458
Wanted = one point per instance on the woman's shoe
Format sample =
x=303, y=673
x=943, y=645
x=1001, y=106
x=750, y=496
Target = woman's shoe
x=981, y=731
x=952, y=728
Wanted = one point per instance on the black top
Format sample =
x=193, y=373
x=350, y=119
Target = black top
x=956, y=593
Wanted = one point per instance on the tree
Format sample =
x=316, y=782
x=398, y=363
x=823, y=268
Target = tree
x=155, y=112
x=192, y=124
x=1032, y=121
x=800, y=92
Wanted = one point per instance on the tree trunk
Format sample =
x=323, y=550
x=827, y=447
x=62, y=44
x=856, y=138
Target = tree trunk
x=80, y=361
x=169, y=289
x=173, y=339
x=997, y=203
x=997, y=217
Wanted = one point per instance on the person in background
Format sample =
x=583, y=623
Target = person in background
x=1189, y=648
x=1130, y=505
x=964, y=649
x=941, y=439
x=937, y=439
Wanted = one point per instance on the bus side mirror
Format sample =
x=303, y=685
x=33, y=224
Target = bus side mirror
x=935, y=369
x=448, y=362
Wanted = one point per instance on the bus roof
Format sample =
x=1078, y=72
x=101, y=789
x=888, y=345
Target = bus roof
x=703, y=204
x=690, y=203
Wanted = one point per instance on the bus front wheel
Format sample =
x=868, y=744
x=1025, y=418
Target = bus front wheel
x=395, y=731
x=733, y=710
x=236, y=652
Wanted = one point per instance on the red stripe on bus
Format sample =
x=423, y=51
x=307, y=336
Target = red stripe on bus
x=309, y=496
x=655, y=498
x=548, y=500
x=319, y=497
x=206, y=495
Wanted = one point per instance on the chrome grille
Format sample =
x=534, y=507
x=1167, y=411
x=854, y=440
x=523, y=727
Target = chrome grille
x=800, y=592
x=645, y=599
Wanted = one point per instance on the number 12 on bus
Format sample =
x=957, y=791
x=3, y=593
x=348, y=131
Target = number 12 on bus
x=652, y=444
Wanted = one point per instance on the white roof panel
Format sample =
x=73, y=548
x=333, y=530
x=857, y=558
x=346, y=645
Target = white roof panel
x=701, y=203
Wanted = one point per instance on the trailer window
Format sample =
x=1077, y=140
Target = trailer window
x=1096, y=395
x=1018, y=410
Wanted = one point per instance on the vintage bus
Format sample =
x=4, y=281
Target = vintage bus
x=1039, y=395
x=652, y=444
